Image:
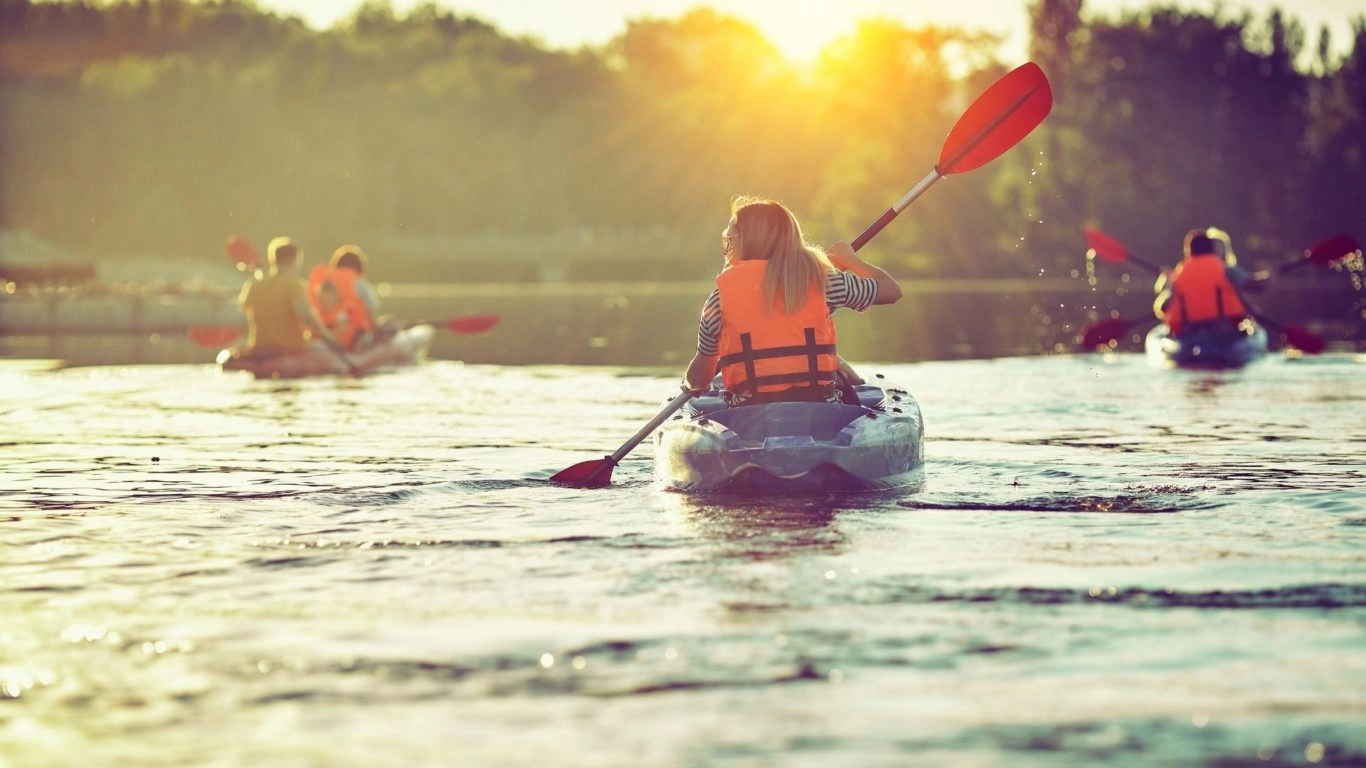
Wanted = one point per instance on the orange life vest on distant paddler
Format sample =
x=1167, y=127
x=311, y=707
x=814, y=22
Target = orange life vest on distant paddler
x=765, y=353
x=349, y=318
x=1201, y=292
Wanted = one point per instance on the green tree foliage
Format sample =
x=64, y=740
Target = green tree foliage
x=1168, y=120
x=1334, y=144
x=163, y=126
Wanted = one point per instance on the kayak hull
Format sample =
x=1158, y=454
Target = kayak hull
x=771, y=448
x=407, y=347
x=1207, y=346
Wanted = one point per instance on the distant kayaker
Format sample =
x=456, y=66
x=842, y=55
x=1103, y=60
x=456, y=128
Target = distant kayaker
x=767, y=327
x=346, y=301
x=1205, y=286
x=280, y=320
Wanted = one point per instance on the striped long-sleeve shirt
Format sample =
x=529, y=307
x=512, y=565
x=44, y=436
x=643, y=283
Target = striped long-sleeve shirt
x=842, y=289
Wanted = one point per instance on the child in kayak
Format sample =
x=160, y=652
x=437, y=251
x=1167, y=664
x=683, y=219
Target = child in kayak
x=280, y=320
x=767, y=327
x=350, y=308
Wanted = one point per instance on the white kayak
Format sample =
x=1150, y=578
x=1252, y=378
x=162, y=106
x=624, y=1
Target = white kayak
x=793, y=447
x=406, y=347
x=1207, y=345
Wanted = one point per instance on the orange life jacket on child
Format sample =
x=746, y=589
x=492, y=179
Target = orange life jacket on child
x=1201, y=292
x=348, y=318
x=763, y=353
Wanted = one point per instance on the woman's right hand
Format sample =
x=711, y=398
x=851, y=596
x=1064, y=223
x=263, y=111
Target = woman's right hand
x=843, y=257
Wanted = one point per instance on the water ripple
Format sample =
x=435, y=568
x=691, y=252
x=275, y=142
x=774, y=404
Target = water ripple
x=1162, y=500
x=1312, y=596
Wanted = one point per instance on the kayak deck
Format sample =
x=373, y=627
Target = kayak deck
x=793, y=447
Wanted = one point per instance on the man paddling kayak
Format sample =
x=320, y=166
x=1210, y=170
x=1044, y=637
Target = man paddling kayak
x=280, y=320
x=766, y=327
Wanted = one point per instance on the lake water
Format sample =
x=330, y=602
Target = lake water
x=1107, y=564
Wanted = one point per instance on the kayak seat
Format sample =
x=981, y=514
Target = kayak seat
x=708, y=402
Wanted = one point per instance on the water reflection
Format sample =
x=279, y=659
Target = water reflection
x=1205, y=385
x=760, y=529
x=771, y=527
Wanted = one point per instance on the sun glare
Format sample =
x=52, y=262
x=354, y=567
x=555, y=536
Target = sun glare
x=799, y=31
x=802, y=29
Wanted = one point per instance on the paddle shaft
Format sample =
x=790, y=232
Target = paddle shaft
x=598, y=472
x=664, y=413
x=1291, y=267
x=897, y=207
x=1148, y=265
x=341, y=354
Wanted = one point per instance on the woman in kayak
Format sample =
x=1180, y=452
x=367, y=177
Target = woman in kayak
x=766, y=327
x=1206, y=285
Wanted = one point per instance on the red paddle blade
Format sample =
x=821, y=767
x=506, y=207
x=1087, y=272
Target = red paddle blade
x=213, y=335
x=471, y=323
x=1104, y=333
x=587, y=474
x=1004, y=113
x=243, y=253
x=1105, y=247
x=1332, y=249
x=1304, y=339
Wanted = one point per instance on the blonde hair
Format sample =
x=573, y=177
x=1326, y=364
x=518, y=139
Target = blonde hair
x=282, y=251
x=350, y=257
x=767, y=231
x=1223, y=245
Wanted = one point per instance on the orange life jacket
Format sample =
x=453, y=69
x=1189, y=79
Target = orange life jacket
x=1201, y=292
x=349, y=318
x=763, y=352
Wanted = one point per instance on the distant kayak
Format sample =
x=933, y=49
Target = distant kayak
x=793, y=447
x=407, y=347
x=1207, y=345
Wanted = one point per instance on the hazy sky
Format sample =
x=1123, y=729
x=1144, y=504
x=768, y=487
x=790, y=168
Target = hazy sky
x=802, y=27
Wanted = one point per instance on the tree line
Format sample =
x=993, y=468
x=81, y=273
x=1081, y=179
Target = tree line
x=455, y=151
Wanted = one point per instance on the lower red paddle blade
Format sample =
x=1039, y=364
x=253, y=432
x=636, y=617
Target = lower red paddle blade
x=471, y=323
x=1104, y=333
x=1304, y=340
x=589, y=474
